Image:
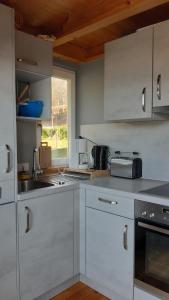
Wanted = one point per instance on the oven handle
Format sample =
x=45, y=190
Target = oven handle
x=154, y=228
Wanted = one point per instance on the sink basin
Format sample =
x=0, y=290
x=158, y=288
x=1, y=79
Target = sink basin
x=29, y=185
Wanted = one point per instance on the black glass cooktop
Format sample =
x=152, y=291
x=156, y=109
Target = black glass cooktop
x=162, y=191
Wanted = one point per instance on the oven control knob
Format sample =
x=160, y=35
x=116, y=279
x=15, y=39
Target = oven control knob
x=152, y=215
x=144, y=213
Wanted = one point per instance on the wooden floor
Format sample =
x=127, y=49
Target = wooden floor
x=79, y=291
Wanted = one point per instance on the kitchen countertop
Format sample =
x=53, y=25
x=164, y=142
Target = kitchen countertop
x=127, y=188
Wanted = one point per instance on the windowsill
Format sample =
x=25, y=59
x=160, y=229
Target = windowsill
x=54, y=170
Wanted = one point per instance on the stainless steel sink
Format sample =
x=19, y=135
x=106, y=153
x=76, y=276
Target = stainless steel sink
x=29, y=185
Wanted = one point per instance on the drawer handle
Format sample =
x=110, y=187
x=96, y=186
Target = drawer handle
x=27, y=61
x=107, y=201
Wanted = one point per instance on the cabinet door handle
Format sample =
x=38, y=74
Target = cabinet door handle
x=8, y=150
x=159, y=87
x=28, y=213
x=27, y=61
x=143, y=99
x=125, y=231
x=107, y=201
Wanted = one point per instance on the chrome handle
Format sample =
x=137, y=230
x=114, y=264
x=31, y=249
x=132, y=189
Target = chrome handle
x=27, y=61
x=8, y=158
x=143, y=100
x=125, y=244
x=159, y=87
x=107, y=201
x=154, y=228
x=28, y=213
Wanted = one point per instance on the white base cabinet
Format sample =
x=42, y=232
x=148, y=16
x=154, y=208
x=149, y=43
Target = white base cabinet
x=8, y=277
x=107, y=242
x=46, y=243
x=109, y=252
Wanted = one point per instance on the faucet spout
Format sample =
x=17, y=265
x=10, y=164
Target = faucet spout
x=36, y=171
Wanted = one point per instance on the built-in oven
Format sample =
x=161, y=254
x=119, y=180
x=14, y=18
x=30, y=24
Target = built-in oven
x=152, y=245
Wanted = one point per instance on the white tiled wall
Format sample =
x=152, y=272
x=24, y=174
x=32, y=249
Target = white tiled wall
x=151, y=139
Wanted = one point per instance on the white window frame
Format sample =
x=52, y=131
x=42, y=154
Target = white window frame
x=70, y=76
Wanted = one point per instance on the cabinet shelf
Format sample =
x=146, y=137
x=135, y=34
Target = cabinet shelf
x=28, y=119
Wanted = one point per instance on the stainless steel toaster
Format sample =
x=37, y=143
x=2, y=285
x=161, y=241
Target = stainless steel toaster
x=126, y=167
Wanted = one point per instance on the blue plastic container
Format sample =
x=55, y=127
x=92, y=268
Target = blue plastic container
x=31, y=109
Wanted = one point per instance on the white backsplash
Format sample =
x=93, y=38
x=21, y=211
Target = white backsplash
x=150, y=139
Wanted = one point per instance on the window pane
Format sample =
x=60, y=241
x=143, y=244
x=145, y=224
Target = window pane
x=55, y=131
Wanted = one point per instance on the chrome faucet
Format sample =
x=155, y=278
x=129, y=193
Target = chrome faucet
x=36, y=170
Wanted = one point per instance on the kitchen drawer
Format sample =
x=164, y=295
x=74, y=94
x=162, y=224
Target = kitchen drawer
x=111, y=203
x=7, y=189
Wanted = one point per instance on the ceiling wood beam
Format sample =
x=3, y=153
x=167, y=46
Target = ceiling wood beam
x=71, y=52
x=131, y=8
x=66, y=57
x=95, y=53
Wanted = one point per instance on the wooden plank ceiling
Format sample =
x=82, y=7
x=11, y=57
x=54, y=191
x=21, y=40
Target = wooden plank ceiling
x=80, y=28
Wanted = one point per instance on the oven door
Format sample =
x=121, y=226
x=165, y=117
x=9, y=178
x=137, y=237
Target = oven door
x=152, y=254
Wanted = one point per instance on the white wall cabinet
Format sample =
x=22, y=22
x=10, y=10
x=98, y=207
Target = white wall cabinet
x=109, y=252
x=8, y=278
x=46, y=243
x=33, y=54
x=128, y=77
x=34, y=64
x=161, y=66
x=7, y=93
x=7, y=70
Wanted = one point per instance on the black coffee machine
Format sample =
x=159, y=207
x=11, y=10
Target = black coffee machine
x=100, y=156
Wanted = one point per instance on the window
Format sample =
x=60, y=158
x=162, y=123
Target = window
x=61, y=127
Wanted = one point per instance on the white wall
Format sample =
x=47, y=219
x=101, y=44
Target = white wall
x=151, y=139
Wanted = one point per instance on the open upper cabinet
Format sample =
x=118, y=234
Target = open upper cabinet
x=40, y=90
x=34, y=66
x=136, y=75
x=33, y=54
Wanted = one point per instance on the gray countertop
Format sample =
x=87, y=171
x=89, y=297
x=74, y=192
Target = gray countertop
x=124, y=187
x=127, y=188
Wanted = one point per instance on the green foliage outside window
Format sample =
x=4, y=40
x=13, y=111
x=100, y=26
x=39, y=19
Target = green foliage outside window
x=48, y=132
